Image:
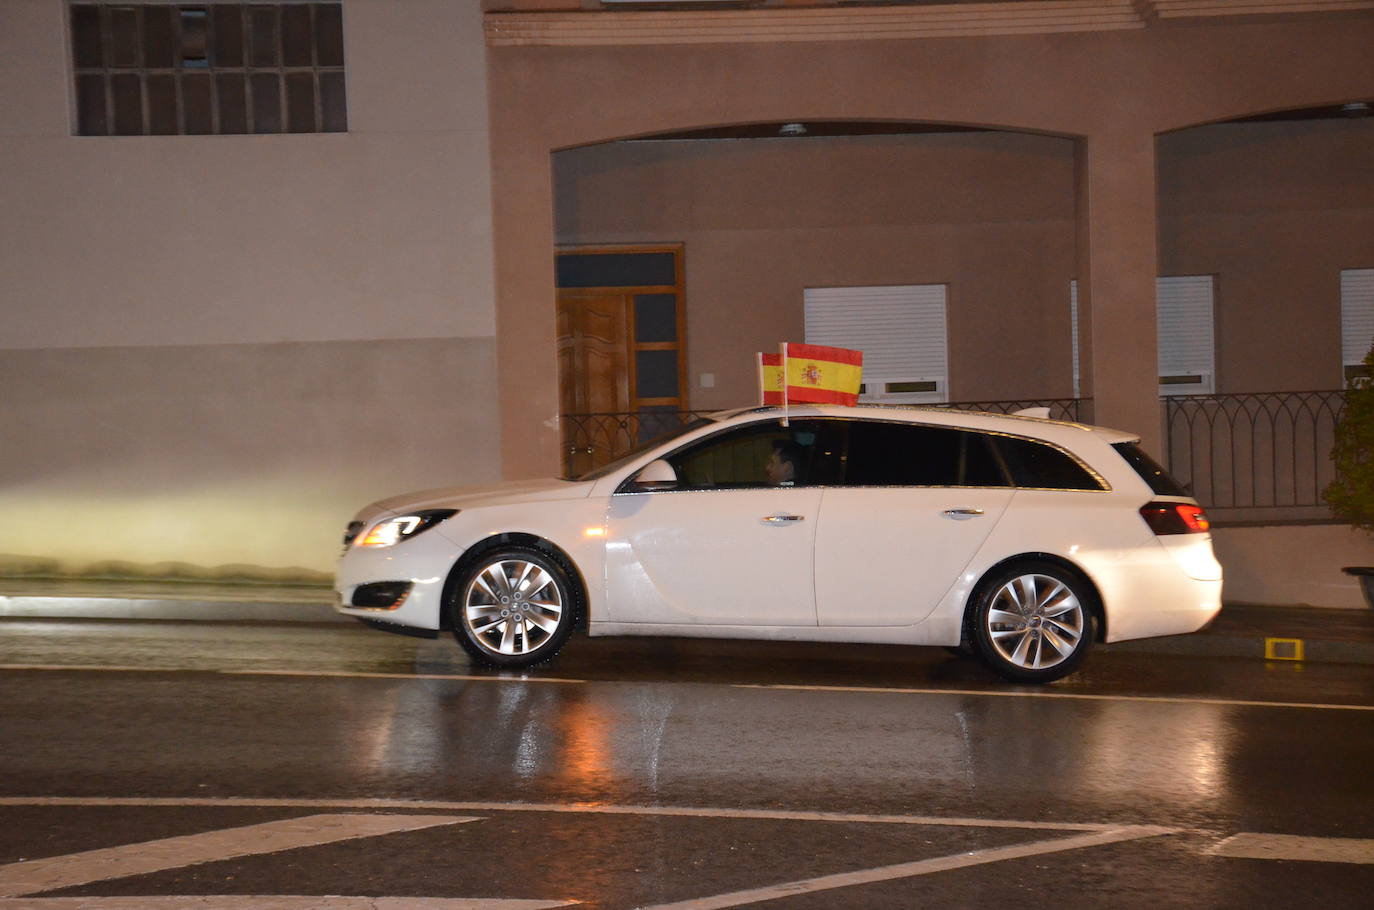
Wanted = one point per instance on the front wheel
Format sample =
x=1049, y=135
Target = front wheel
x=514, y=607
x=1032, y=623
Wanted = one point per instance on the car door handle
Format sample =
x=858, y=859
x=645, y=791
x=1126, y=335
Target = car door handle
x=962, y=514
x=783, y=518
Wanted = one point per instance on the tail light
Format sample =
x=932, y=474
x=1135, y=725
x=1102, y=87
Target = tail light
x=1175, y=518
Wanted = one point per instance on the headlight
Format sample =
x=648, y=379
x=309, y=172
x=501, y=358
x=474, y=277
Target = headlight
x=391, y=531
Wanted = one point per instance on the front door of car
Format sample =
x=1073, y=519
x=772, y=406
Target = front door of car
x=915, y=504
x=731, y=543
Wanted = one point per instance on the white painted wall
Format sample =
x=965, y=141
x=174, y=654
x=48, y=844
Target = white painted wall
x=381, y=232
x=215, y=346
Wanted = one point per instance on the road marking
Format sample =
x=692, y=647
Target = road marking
x=1290, y=846
x=348, y=675
x=51, y=873
x=275, y=902
x=1083, y=696
x=574, y=808
x=909, y=870
x=114, y=668
x=784, y=687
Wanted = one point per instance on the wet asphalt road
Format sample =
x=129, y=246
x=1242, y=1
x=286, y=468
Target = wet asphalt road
x=652, y=772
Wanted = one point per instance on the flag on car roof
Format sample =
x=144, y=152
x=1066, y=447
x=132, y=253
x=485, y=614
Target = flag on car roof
x=770, y=379
x=825, y=375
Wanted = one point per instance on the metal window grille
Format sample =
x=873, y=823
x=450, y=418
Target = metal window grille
x=159, y=68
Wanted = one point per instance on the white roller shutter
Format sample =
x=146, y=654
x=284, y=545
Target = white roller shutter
x=1357, y=319
x=1184, y=321
x=901, y=330
x=1073, y=329
x=1187, y=358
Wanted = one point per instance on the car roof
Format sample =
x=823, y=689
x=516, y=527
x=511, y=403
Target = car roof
x=1014, y=424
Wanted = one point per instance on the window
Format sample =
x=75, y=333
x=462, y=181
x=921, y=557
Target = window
x=740, y=457
x=1357, y=321
x=1183, y=314
x=900, y=329
x=1038, y=466
x=154, y=69
x=894, y=454
x=1150, y=471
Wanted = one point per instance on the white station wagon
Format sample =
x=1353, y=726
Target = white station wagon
x=1018, y=539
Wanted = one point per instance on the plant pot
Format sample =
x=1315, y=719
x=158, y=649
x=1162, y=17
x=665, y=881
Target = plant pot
x=1366, y=576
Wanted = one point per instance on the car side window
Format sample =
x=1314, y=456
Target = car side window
x=896, y=454
x=1044, y=467
x=759, y=455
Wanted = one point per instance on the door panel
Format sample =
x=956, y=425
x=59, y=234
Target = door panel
x=593, y=344
x=593, y=369
x=712, y=557
x=887, y=556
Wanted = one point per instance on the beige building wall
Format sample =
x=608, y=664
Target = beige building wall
x=989, y=214
x=571, y=80
x=214, y=349
x=1273, y=209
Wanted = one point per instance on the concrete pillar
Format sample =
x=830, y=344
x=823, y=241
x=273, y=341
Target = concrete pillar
x=526, y=316
x=1117, y=266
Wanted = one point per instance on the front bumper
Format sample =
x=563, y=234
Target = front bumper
x=422, y=563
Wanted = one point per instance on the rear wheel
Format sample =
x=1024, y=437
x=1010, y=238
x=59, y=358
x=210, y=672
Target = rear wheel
x=1032, y=622
x=514, y=607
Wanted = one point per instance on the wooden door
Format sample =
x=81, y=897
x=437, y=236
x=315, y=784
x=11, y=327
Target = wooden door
x=593, y=369
x=621, y=352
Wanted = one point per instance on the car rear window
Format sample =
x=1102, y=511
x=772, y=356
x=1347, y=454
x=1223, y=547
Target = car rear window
x=1150, y=470
x=1043, y=467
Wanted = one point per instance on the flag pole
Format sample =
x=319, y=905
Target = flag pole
x=763, y=391
x=785, y=421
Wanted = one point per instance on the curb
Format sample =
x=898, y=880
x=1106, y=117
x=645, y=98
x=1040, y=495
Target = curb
x=1268, y=648
x=317, y=607
x=42, y=607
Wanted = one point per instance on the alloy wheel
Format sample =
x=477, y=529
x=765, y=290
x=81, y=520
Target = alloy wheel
x=1035, y=621
x=513, y=607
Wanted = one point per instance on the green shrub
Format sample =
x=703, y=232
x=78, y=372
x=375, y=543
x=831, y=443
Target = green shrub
x=1351, y=494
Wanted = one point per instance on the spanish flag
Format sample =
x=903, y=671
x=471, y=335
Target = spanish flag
x=770, y=380
x=810, y=373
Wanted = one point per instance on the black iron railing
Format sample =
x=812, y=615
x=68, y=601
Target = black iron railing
x=591, y=440
x=1059, y=408
x=1266, y=454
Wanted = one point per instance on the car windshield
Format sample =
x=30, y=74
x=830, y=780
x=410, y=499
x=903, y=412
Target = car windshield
x=643, y=447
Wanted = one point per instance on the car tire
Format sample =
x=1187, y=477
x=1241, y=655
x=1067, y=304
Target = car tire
x=514, y=607
x=1032, y=621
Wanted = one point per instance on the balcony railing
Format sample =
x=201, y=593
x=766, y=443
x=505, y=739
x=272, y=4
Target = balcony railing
x=1259, y=456
x=1253, y=457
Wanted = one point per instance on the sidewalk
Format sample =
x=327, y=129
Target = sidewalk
x=1242, y=630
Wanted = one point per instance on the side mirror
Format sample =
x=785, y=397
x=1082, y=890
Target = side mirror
x=656, y=475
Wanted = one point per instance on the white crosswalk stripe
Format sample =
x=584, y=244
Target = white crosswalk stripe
x=275, y=902
x=1250, y=845
x=50, y=873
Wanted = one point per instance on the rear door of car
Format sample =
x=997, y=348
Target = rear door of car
x=913, y=506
